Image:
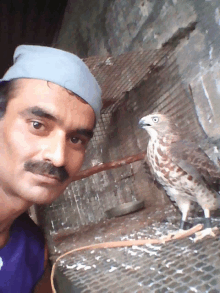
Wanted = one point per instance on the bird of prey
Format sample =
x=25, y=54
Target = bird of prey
x=182, y=168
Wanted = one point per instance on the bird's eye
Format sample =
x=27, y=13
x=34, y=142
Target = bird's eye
x=155, y=119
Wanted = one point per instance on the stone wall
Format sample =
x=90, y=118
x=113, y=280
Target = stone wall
x=101, y=27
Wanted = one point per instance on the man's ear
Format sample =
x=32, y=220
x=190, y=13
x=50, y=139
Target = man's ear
x=3, y=105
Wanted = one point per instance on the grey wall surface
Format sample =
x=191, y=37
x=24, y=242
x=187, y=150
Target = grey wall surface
x=101, y=27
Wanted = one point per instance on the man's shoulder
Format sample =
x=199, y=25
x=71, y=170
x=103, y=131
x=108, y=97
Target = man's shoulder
x=23, y=256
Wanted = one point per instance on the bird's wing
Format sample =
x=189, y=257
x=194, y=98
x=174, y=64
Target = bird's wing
x=195, y=162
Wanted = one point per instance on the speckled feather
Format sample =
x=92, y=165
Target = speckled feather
x=181, y=167
x=194, y=160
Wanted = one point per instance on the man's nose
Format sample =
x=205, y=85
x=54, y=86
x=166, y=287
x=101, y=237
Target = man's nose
x=54, y=150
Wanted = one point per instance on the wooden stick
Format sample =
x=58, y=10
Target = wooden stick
x=170, y=237
x=109, y=165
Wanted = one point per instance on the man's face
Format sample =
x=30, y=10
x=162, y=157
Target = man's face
x=43, y=137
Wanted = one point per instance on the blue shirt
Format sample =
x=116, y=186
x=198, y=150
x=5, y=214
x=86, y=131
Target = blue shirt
x=22, y=259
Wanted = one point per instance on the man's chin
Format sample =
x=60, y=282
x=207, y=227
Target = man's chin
x=41, y=196
x=43, y=202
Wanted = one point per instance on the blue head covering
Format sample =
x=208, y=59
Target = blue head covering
x=57, y=66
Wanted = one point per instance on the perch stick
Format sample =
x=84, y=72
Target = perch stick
x=109, y=165
x=164, y=239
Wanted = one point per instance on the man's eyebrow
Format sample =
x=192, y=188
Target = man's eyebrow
x=39, y=112
x=85, y=132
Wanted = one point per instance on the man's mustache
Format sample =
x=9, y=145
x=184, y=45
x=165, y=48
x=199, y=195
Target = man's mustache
x=46, y=168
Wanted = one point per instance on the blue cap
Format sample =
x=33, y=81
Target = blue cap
x=57, y=66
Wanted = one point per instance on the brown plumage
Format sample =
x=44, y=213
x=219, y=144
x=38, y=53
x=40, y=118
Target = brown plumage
x=181, y=167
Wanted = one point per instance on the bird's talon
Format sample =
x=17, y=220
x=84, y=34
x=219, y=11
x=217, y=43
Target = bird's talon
x=206, y=233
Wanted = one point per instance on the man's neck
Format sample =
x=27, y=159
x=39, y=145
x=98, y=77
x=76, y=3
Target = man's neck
x=11, y=207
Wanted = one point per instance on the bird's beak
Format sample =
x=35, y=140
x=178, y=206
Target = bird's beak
x=144, y=122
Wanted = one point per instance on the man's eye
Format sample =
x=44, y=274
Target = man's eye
x=75, y=140
x=37, y=125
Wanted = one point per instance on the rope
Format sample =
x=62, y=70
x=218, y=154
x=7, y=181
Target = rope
x=127, y=243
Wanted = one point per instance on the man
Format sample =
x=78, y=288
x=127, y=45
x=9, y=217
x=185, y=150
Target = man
x=49, y=105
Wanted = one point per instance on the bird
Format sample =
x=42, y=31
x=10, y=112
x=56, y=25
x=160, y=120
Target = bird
x=182, y=168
